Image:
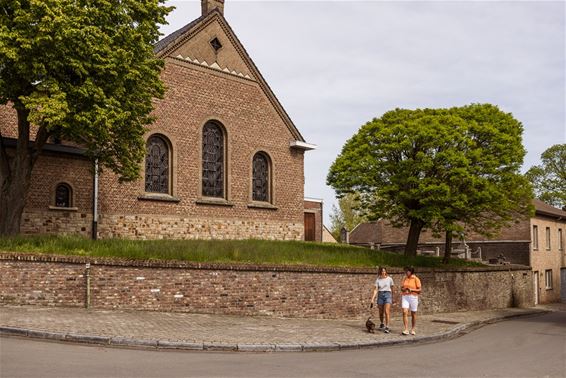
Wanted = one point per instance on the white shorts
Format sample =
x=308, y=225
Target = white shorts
x=410, y=302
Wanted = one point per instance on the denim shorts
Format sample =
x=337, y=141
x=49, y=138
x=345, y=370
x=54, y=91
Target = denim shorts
x=384, y=297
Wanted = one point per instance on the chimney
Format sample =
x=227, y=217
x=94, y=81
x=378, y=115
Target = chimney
x=210, y=5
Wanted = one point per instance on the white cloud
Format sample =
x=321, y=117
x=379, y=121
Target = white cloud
x=336, y=65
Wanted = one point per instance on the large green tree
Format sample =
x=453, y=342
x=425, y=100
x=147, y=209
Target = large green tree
x=437, y=168
x=346, y=215
x=485, y=191
x=82, y=71
x=549, y=178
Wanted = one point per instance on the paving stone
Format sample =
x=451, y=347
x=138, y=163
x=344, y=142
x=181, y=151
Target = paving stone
x=13, y=331
x=289, y=348
x=179, y=345
x=256, y=347
x=126, y=341
x=220, y=347
x=88, y=339
x=46, y=335
x=321, y=347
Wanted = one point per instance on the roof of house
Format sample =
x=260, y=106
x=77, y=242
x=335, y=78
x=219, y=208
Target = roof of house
x=365, y=233
x=543, y=208
x=174, y=39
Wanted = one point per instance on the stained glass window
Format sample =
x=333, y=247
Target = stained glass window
x=63, y=195
x=212, y=160
x=157, y=165
x=260, y=177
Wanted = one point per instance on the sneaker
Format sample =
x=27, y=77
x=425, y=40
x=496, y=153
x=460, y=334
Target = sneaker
x=413, y=332
x=381, y=326
x=386, y=330
x=405, y=333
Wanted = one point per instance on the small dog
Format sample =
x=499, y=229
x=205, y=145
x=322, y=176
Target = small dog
x=370, y=325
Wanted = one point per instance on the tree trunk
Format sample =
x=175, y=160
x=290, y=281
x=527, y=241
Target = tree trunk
x=447, y=247
x=12, y=202
x=413, y=238
x=15, y=172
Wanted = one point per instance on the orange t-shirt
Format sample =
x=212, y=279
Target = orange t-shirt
x=412, y=282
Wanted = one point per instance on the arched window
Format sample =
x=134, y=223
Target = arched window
x=213, y=151
x=63, y=195
x=157, y=165
x=261, y=178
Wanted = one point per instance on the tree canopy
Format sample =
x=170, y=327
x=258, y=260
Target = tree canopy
x=347, y=214
x=438, y=168
x=81, y=71
x=549, y=178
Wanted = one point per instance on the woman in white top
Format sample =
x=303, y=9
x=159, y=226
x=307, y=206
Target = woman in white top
x=382, y=291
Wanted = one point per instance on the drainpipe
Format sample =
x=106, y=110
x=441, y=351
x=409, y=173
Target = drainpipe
x=95, y=202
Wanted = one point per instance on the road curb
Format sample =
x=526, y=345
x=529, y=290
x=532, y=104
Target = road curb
x=119, y=341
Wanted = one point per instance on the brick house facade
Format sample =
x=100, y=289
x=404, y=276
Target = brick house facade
x=537, y=242
x=224, y=159
x=313, y=219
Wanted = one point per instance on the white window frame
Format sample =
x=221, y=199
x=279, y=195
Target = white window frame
x=547, y=243
x=560, y=240
x=548, y=279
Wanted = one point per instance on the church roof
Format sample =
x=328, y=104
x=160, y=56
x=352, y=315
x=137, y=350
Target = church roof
x=170, y=38
x=171, y=41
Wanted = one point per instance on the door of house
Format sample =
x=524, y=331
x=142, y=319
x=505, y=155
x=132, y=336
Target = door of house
x=536, y=286
x=309, y=227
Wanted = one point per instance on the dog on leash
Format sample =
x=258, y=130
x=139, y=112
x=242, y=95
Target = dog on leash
x=370, y=325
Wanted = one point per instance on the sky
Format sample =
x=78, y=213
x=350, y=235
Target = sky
x=334, y=65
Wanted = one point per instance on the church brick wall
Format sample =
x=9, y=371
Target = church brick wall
x=228, y=89
x=289, y=291
x=316, y=208
x=179, y=227
x=57, y=222
x=193, y=97
x=252, y=125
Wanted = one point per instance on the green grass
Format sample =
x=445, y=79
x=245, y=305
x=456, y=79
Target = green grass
x=221, y=251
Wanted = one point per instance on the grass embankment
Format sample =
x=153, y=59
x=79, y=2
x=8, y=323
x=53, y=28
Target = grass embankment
x=221, y=251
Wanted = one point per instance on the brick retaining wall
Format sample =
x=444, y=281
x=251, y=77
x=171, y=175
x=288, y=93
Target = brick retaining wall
x=289, y=291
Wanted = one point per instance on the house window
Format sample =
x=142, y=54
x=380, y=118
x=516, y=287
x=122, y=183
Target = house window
x=157, y=165
x=560, y=240
x=548, y=279
x=535, y=238
x=213, y=165
x=547, y=238
x=63, y=195
x=261, y=177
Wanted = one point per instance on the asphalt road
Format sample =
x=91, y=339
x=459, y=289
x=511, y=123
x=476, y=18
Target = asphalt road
x=524, y=347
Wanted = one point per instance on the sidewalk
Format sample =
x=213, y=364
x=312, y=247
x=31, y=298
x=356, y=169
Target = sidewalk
x=232, y=333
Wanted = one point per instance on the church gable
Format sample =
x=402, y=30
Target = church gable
x=210, y=42
x=212, y=45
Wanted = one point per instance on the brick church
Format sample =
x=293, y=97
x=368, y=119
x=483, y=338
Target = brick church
x=224, y=160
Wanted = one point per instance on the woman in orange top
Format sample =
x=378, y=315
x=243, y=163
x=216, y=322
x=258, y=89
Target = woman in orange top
x=410, y=290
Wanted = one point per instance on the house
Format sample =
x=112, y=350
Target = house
x=224, y=160
x=537, y=242
x=327, y=236
x=313, y=219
